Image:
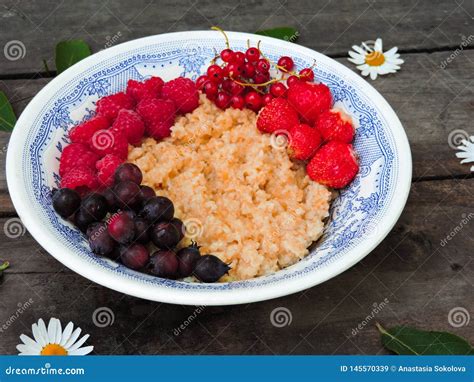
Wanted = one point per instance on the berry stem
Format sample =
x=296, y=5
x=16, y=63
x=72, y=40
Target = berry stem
x=216, y=28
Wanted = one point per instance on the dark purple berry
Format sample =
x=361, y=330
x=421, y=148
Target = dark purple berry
x=141, y=231
x=65, y=201
x=121, y=227
x=95, y=205
x=128, y=172
x=82, y=220
x=99, y=239
x=210, y=268
x=146, y=193
x=164, y=264
x=187, y=259
x=136, y=256
x=131, y=213
x=158, y=208
x=179, y=227
x=127, y=194
x=109, y=196
x=164, y=235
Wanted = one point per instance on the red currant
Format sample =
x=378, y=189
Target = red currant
x=210, y=89
x=201, y=80
x=261, y=77
x=286, y=63
x=223, y=100
x=252, y=54
x=236, y=89
x=253, y=100
x=237, y=102
x=267, y=98
x=227, y=84
x=307, y=74
x=215, y=74
x=239, y=58
x=249, y=70
x=227, y=55
x=291, y=80
x=234, y=70
x=263, y=65
x=278, y=90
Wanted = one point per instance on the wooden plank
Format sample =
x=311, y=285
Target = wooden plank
x=327, y=26
x=417, y=275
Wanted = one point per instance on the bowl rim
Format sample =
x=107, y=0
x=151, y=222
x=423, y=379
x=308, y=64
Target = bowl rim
x=203, y=297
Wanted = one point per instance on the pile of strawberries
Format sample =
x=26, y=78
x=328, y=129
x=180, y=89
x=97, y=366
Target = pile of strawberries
x=314, y=132
x=99, y=145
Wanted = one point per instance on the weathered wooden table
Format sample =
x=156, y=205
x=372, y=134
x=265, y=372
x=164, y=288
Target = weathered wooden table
x=421, y=279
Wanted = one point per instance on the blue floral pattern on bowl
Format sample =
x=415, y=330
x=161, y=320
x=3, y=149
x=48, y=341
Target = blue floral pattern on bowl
x=355, y=212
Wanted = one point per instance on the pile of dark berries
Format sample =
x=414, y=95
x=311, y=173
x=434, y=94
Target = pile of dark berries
x=129, y=223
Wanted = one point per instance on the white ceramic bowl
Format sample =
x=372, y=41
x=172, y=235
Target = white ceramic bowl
x=361, y=216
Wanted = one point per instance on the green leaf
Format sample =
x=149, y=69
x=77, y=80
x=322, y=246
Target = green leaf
x=69, y=52
x=4, y=266
x=7, y=116
x=404, y=340
x=283, y=33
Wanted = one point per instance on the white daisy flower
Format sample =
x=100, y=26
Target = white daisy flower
x=372, y=60
x=53, y=340
x=467, y=151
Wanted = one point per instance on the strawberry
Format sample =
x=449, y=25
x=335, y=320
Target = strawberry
x=309, y=99
x=106, y=169
x=158, y=115
x=110, y=141
x=277, y=115
x=183, y=92
x=131, y=124
x=109, y=106
x=335, y=125
x=334, y=165
x=304, y=140
x=83, y=133
x=76, y=155
x=150, y=88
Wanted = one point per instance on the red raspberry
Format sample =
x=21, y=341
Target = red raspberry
x=158, y=115
x=76, y=155
x=80, y=177
x=110, y=141
x=334, y=165
x=303, y=142
x=277, y=115
x=83, y=133
x=131, y=124
x=309, y=99
x=335, y=125
x=150, y=88
x=109, y=106
x=183, y=92
x=106, y=169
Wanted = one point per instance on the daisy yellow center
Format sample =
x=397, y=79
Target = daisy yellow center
x=53, y=349
x=374, y=58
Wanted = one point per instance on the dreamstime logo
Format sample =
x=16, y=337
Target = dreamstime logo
x=458, y=317
x=377, y=307
x=456, y=138
x=112, y=40
x=466, y=218
x=466, y=41
x=103, y=317
x=102, y=140
x=193, y=228
x=280, y=139
x=14, y=228
x=280, y=317
x=14, y=50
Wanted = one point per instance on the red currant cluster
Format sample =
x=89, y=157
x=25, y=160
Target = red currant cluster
x=237, y=79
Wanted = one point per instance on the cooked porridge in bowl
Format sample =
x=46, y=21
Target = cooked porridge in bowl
x=247, y=202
